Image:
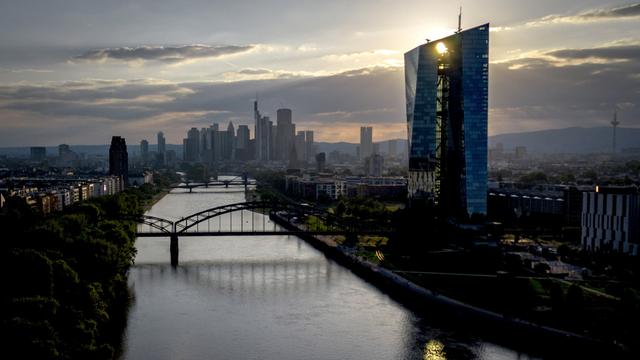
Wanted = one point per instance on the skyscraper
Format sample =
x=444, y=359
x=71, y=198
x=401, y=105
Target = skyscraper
x=285, y=134
x=300, y=147
x=119, y=159
x=192, y=145
x=162, y=149
x=263, y=134
x=310, y=147
x=447, y=100
x=242, y=143
x=366, y=142
x=144, y=151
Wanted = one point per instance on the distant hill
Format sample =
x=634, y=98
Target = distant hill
x=350, y=148
x=573, y=140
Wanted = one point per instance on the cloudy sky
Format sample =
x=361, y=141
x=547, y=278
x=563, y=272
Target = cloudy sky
x=79, y=71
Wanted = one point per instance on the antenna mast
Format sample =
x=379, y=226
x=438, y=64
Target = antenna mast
x=460, y=20
x=615, y=124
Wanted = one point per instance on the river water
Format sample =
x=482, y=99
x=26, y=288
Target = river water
x=272, y=297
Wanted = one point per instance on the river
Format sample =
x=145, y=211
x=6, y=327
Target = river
x=272, y=297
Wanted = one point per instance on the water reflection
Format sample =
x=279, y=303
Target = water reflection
x=434, y=350
x=271, y=297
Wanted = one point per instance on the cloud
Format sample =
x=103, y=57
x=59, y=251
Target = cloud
x=563, y=88
x=615, y=52
x=20, y=71
x=163, y=54
x=137, y=108
x=626, y=52
x=630, y=11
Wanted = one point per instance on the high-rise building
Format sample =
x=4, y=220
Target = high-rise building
x=447, y=100
x=366, y=142
x=144, y=151
x=310, y=146
x=38, y=153
x=263, y=134
x=300, y=147
x=243, y=139
x=162, y=149
x=229, y=142
x=161, y=143
x=192, y=145
x=285, y=134
x=119, y=159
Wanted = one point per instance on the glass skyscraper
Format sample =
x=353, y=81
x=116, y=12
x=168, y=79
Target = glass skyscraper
x=447, y=104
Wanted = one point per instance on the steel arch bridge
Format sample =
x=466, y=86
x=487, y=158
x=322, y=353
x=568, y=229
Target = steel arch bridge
x=250, y=220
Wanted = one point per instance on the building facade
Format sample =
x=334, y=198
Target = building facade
x=366, y=142
x=446, y=83
x=611, y=220
x=119, y=158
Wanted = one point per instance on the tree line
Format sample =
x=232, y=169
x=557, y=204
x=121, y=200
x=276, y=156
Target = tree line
x=65, y=285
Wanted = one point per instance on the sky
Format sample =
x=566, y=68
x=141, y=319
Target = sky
x=80, y=71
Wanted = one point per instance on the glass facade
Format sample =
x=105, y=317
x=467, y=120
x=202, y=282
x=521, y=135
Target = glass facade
x=447, y=109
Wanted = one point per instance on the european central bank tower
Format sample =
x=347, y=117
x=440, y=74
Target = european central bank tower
x=447, y=104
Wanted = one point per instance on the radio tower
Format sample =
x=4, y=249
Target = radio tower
x=615, y=124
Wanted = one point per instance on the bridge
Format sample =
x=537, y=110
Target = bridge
x=250, y=220
x=242, y=180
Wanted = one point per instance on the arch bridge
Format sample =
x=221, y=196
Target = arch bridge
x=248, y=219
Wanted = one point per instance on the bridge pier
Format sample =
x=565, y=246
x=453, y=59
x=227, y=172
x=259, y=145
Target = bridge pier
x=173, y=249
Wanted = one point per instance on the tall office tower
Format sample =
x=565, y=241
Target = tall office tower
x=366, y=142
x=192, y=145
x=263, y=134
x=301, y=147
x=144, y=151
x=119, y=159
x=162, y=149
x=310, y=146
x=214, y=142
x=38, y=153
x=285, y=134
x=228, y=140
x=203, y=150
x=446, y=85
x=161, y=143
x=243, y=138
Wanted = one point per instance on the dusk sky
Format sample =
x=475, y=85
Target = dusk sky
x=80, y=71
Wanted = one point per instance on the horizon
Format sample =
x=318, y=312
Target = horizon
x=79, y=71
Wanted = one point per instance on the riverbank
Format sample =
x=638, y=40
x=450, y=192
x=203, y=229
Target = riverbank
x=539, y=338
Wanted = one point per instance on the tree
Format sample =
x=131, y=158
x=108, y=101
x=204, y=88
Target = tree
x=575, y=299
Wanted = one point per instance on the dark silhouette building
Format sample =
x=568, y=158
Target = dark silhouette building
x=119, y=159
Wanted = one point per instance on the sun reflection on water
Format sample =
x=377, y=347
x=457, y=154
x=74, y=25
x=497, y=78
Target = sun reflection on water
x=434, y=350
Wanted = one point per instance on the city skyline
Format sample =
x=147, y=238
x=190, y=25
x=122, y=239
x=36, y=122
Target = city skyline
x=553, y=65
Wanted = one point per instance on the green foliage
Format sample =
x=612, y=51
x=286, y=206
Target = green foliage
x=66, y=278
x=535, y=177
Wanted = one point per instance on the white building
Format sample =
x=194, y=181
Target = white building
x=610, y=220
